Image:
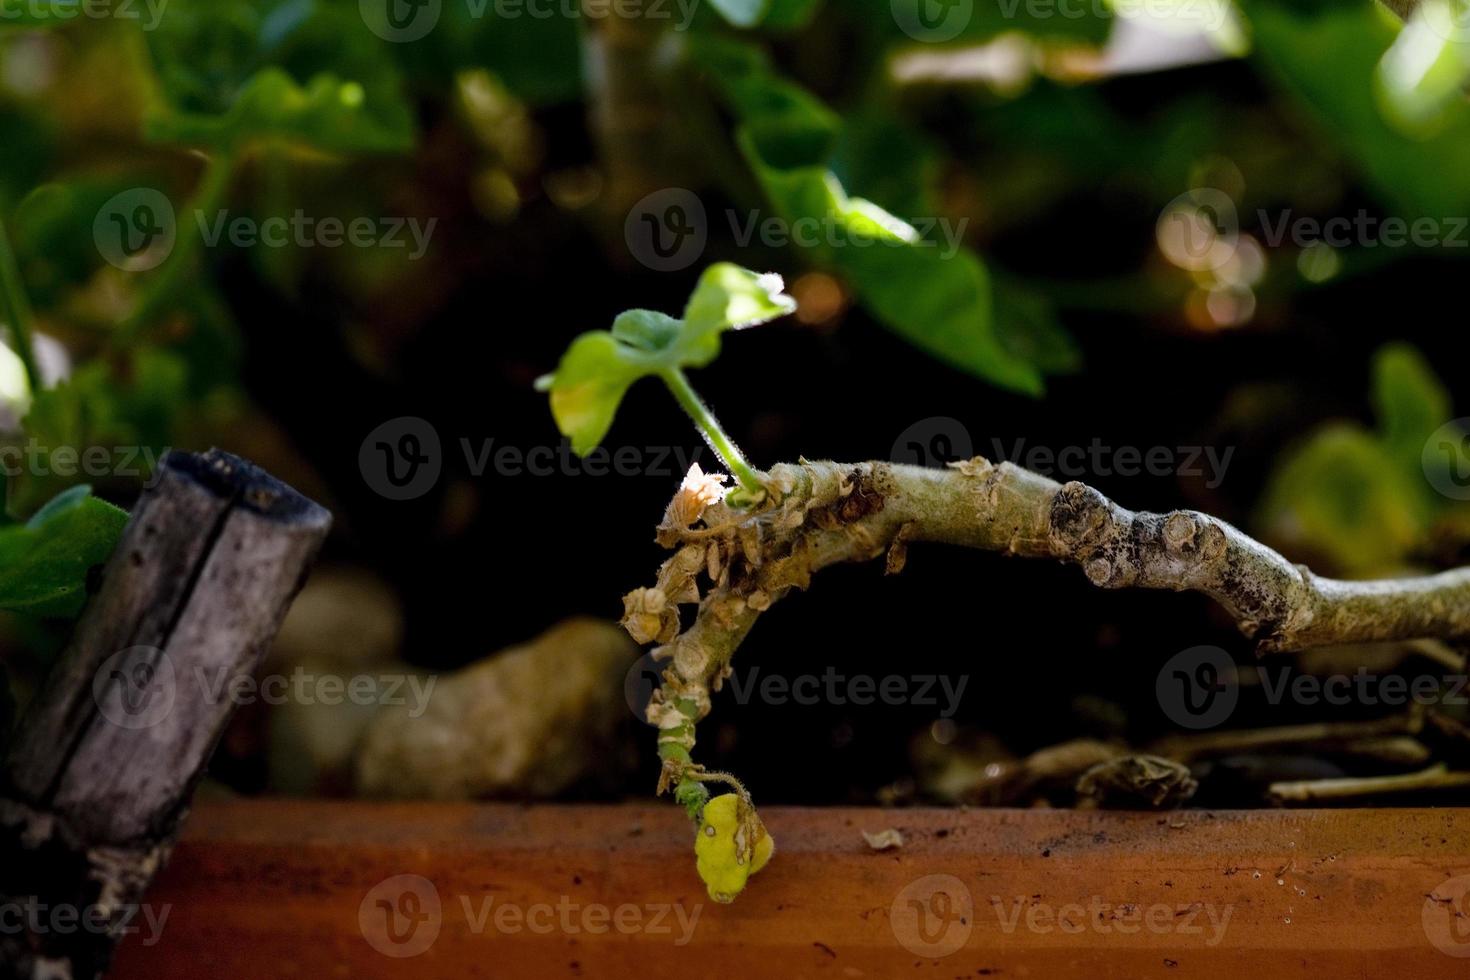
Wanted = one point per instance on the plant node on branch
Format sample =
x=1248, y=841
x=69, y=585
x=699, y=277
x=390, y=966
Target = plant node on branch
x=735, y=562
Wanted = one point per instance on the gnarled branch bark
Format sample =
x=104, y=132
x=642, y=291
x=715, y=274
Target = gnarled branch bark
x=821, y=513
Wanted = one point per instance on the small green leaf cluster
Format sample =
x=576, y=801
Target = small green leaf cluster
x=600, y=365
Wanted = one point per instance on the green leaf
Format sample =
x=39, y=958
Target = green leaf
x=938, y=300
x=1028, y=327
x=44, y=562
x=646, y=329
x=328, y=114
x=1359, y=498
x=1410, y=401
x=599, y=366
x=1327, y=59
x=1338, y=498
x=589, y=384
x=729, y=298
x=1422, y=76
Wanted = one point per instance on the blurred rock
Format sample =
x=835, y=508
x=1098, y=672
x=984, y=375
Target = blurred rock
x=527, y=722
x=344, y=629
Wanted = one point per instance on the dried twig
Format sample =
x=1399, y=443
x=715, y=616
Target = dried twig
x=818, y=514
x=1438, y=777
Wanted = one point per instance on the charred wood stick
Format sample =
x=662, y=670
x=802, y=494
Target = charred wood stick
x=107, y=756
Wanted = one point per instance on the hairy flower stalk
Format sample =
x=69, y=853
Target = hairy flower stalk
x=735, y=562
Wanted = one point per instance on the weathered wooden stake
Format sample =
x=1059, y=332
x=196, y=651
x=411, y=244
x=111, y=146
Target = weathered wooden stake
x=106, y=758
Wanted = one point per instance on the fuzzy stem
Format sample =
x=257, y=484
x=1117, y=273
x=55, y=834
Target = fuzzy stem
x=713, y=433
x=18, y=307
x=212, y=188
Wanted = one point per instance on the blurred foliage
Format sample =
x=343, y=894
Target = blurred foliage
x=1357, y=499
x=44, y=562
x=854, y=116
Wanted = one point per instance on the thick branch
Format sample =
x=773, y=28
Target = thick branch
x=823, y=513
